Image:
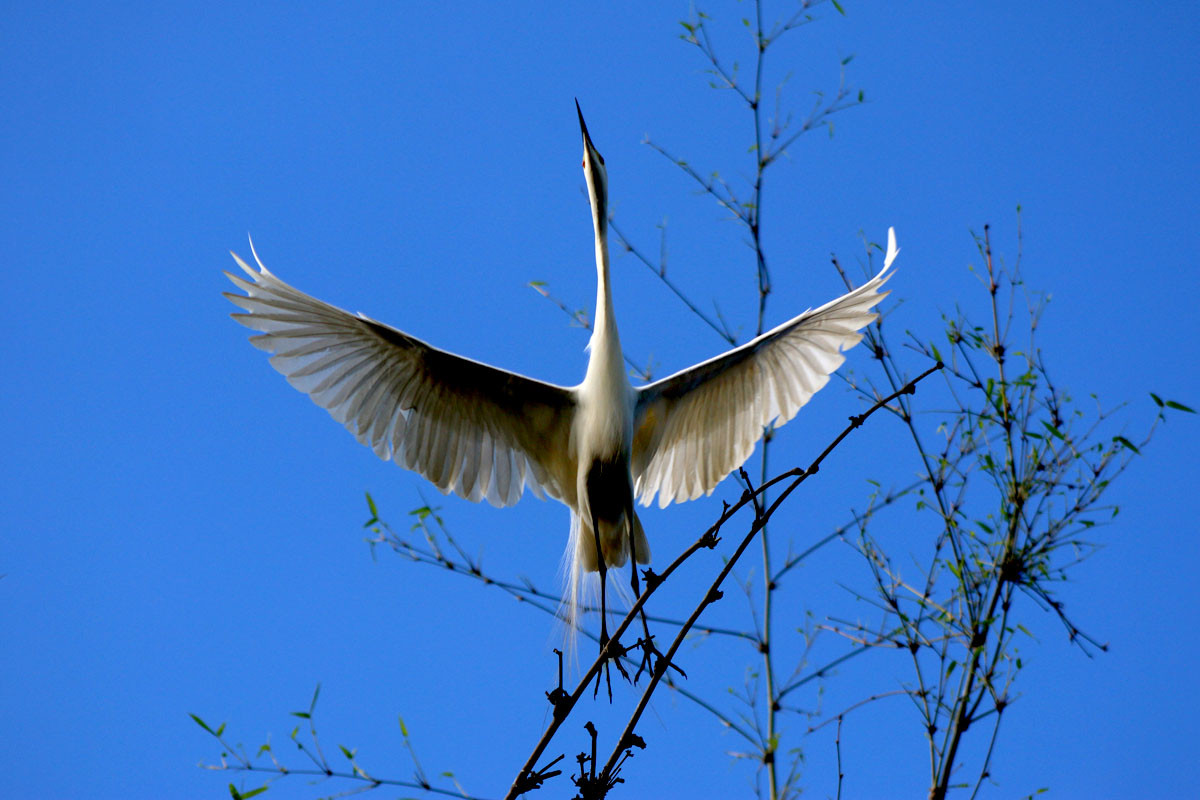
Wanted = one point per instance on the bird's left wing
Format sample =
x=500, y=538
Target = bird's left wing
x=696, y=426
x=469, y=428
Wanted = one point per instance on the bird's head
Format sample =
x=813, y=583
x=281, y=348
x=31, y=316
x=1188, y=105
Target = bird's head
x=595, y=173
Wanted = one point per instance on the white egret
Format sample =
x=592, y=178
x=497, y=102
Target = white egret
x=482, y=432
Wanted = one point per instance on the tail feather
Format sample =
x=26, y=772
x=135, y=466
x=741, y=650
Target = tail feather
x=580, y=563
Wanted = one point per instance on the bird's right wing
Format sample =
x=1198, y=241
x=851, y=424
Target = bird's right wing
x=696, y=426
x=469, y=428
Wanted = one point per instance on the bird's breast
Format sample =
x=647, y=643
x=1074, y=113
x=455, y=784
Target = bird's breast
x=603, y=428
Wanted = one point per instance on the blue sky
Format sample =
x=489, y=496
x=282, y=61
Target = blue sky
x=181, y=530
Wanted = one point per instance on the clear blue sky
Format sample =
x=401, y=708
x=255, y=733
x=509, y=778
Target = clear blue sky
x=181, y=529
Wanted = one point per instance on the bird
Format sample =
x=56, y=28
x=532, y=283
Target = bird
x=481, y=432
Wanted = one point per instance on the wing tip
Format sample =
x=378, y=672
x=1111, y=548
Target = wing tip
x=892, y=249
x=262, y=270
x=254, y=253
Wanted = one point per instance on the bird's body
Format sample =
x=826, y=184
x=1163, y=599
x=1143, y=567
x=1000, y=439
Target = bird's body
x=482, y=432
x=602, y=435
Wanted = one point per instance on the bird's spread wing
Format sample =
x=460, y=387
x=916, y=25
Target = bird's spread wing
x=695, y=427
x=469, y=428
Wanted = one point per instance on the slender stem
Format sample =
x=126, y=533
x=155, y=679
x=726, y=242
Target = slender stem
x=764, y=647
x=754, y=220
x=764, y=277
x=837, y=742
x=368, y=781
x=984, y=771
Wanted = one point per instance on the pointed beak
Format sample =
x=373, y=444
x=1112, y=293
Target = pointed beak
x=588, y=147
x=597, y=176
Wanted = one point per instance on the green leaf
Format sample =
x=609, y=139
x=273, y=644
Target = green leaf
x=403, y=730
x=1055, y=432
x=1121, y=440
x=255, y=792
x=838, y=6
x=302, y=714
x=234, y=793
x=374, y=512
x=203, y=724
x=1157, y=400
x=316, y=694
x=1179, y=407
x=348, y=753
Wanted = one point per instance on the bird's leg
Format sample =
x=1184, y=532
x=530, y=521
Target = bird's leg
x=603, y=569
x=647, y=640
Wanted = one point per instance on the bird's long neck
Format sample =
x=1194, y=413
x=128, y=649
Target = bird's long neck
x=606, y=358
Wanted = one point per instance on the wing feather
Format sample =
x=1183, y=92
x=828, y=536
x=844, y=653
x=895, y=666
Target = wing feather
x=469, y=428
x=695, y=427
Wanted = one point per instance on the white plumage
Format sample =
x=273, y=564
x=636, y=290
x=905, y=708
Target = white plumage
x=482, y=432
